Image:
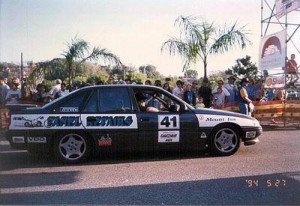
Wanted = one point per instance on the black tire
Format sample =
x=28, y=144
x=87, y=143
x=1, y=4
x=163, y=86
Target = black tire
x=225, y=140
x=72, y=148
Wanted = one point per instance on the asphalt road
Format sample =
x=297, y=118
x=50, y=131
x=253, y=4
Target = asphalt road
x=267, y=173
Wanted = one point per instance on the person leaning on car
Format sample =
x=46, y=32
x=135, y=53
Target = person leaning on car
x=243, y=98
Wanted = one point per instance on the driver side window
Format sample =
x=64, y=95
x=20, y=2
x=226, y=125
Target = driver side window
x=159, y=100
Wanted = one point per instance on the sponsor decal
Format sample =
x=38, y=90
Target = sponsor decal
x=231, y=119
x=18, y=139
x=69, y=109
x=168, y=136
x=63, y=121
x=36, y=139
x=203, y=135
x=105, y=141
x=210, y=120
x=168, y=122
x=76, y=121
x=214, y=119
x=107, y=121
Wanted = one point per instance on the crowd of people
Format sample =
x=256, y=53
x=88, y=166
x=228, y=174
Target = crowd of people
x=232, y=93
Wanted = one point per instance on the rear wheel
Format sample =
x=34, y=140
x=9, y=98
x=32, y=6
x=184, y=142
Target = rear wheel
x=72, y=148
x=225, y=140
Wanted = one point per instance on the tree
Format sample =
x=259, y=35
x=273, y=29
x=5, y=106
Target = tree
x=191, y=74
x=149, y=70
x=198, y=40
x=78, y=52
x=243, y=68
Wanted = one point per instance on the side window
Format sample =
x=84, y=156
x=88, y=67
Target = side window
x=71, y=105
x=114, y=100
x=92, y=103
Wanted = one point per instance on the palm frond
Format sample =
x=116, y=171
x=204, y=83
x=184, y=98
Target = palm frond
x=230, y=37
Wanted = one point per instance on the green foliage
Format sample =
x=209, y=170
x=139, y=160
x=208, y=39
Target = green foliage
x=244, y=68
x=198, y=40
x=191, y=74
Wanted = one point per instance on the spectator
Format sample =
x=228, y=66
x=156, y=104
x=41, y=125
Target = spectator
x=4, y=88
x=40, y=95
x=199, y=103
x=292, y=69
x=205, y=93
x=148, y=82
x=166, y=86
x=110, y=80
x=232, y=88
x=178, y=90
x=243, y=98
x=54, y=92
x=157, y=83
x=251, y=90
x=168, y=80
x=219, y=99
x=128, y=81
x=194, y=87
x=13, y=95
x=63, y=91
x=189, y=96
x=225, y=94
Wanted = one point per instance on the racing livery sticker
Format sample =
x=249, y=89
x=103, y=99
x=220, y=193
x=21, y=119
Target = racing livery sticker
x=73, y=121
x=168, y=122
x=212, y=120
x=36, y=139
x=69, y=109
x=110, y=121
x=168, y=136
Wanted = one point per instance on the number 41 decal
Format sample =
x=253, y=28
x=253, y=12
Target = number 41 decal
x=168, y=122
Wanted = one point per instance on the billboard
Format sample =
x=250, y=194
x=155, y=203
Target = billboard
x=285, y=6
x=272, y=52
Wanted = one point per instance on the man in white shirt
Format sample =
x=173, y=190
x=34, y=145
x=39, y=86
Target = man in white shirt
x=54, y=92
x=224, y=92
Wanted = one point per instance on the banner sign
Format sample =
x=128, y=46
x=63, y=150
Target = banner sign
x=272, y=51
x=275, y=82
x=285, y=6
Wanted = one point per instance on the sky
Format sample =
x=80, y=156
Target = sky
x=134, y=30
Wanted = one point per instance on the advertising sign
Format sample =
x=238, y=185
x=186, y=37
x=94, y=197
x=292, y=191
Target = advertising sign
x=272, y=51
x=285, y=6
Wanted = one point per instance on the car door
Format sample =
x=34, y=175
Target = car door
x=111, y=119
x=168, y=130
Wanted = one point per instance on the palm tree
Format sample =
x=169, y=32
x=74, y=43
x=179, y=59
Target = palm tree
x=198, y=40
x=78, y=52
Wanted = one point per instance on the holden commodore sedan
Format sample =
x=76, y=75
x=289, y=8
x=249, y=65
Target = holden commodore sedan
x=113, y=118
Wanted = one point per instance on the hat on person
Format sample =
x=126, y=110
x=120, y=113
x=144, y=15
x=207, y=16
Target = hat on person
x=220, y=80
x=58, y=81
x=245, y=80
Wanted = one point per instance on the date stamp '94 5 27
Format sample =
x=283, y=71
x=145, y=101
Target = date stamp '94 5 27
x=268, y=183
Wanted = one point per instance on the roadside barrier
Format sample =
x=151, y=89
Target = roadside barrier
x=4, y=121
x=275, y=113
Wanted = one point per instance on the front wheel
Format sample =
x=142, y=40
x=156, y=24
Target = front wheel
x=72, y=148
x=225, y=140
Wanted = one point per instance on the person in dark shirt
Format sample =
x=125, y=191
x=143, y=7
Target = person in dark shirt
x=205, y=92
x=189, y=96
x=141, y=100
